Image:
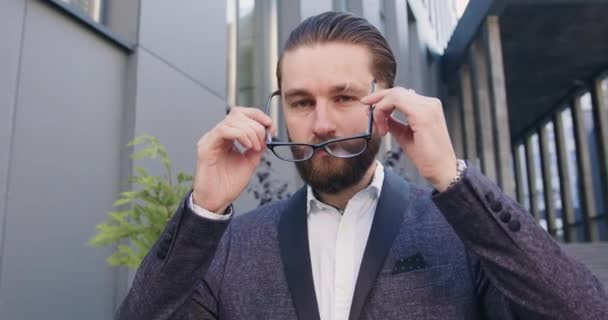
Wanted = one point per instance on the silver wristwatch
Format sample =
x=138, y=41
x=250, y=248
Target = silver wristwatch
x=461, y=167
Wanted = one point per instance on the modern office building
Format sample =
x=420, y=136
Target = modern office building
x=526, y=91
x=80, y=78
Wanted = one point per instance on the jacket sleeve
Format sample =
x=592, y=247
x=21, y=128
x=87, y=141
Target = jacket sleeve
x=170, y=282
x=521, y=272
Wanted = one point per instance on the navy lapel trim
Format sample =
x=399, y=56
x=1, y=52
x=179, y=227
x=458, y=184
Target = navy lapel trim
x=394, y=199
x=295, y=254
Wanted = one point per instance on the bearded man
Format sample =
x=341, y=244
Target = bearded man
x=358, y=241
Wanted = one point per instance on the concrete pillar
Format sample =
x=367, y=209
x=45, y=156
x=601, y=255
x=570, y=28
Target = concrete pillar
x=502, y=132
x=265, y=51
x=289, y=17
x=483, y=107
x=468, y=113
x=584, y=170
x=599, y=95
x=396, y=34
x=454, y=119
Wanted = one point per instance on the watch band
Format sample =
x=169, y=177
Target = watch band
x=461, y=167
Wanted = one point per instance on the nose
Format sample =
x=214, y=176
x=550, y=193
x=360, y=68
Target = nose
x=324, y=126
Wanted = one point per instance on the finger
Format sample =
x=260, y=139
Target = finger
x=404, y=100
x=260, y=132
x=255, y=114
x=375, y=97
x=382, y=111
x=247, y=130
x=400, y=130
x=257, y=145
x=257, y=131
x=227, y=132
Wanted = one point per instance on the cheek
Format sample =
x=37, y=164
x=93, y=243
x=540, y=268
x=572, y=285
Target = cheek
x=354, y=122
x=299, y=127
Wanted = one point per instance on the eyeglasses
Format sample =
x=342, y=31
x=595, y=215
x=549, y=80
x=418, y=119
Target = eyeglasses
x=338, y=147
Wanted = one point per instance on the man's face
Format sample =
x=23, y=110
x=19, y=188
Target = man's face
x=321, y=88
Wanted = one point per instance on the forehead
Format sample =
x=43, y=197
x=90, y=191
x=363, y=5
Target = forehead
x=320, y=66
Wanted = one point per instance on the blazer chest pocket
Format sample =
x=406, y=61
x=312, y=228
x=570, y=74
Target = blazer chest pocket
x=438, y=279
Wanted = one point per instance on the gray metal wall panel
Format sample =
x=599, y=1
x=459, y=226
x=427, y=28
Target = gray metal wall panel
x=11, y=28
x=64, y=176
x=175, y=109
x=190, y=36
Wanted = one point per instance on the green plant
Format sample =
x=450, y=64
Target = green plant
x=146, y=208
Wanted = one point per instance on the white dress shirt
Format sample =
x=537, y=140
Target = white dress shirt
x=337, y=241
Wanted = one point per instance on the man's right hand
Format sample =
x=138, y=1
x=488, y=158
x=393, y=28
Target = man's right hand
x=222, y=171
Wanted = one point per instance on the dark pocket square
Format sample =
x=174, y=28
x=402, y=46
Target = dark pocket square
x=411, y=263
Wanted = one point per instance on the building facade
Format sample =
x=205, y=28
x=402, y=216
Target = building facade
x=526, y=95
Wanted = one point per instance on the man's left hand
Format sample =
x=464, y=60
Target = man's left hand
x=424, y=138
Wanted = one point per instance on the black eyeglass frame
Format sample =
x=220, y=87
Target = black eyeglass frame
x=367, y=136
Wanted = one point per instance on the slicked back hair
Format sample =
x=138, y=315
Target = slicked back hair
x=341, y=27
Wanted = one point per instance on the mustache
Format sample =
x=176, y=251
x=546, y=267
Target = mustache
x=316, y=140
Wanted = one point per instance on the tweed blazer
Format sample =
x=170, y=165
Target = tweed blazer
x=470, y=252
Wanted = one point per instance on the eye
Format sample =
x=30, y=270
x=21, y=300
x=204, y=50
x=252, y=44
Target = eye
x=304, y=103
x=344, y=99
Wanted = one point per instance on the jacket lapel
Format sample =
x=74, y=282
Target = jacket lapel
x=394, y=200
x=295, y=254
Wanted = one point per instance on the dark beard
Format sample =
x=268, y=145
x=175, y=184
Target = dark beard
x=331, y=175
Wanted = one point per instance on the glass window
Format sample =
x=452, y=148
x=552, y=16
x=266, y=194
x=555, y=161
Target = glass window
x=554, y=176
x=91, y=8
x=340, y=5
x=604, y=88
x=538, y=180
x=118, y=17
x=253, y=53
x=587, y=107
x=523, y=176
x=571, y=162
x=257, y=51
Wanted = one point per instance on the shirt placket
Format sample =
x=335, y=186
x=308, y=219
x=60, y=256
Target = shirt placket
x=344, y=268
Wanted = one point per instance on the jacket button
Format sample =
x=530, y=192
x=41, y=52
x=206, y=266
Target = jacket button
x=165, y=243
x=514, y=225
x=496, y=206
x=161, y=254
x=490, y=197
x=505, y=217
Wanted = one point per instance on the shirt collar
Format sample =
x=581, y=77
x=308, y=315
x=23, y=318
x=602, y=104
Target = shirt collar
x=374, y=189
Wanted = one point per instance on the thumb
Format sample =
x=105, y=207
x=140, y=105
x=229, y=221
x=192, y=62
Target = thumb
x=254, y=157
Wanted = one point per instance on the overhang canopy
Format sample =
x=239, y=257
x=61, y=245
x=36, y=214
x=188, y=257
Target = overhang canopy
x=551, y=48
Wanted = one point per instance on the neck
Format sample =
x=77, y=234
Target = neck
x=340, y=199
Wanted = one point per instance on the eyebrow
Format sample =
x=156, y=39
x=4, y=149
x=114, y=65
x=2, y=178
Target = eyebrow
x=340, y=88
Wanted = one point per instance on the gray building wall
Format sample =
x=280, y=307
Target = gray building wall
x=69, y=101
x=64, y=130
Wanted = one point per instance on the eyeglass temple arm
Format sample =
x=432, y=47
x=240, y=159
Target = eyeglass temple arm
x=272, y=95
x=371, y=108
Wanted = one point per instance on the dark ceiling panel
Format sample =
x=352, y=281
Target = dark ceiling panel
x=546, y=49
